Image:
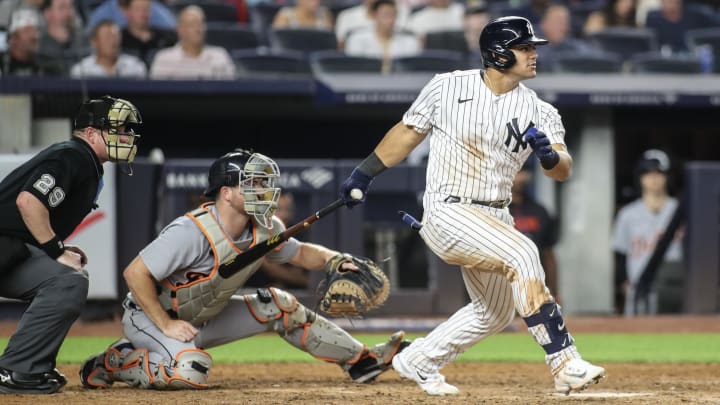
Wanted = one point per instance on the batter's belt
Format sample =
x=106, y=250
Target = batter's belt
x=465, y=200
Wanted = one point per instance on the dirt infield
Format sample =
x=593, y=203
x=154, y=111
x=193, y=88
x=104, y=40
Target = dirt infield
x=480, y=383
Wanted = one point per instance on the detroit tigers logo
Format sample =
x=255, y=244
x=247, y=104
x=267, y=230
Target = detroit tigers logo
x=515, y=133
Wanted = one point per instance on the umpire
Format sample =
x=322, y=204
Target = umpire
x=41, y=203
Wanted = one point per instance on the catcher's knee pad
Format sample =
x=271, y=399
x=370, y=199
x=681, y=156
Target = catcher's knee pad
x=190, y=369
x=271, y=305
x=548, y=328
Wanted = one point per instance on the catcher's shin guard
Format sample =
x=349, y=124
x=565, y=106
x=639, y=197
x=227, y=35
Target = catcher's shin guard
x=377, y=359
x=95, y=373
x=302, y=327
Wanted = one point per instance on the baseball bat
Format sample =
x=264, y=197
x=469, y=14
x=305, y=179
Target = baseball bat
x=261, y=249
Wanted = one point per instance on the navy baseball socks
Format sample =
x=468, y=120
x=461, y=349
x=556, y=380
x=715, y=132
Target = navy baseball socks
x=570, y=371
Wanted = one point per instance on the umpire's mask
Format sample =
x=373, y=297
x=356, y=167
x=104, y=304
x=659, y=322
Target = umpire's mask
x=118, y=118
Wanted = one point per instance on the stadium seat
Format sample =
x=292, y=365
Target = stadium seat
x=625, y=41
x=262, y=16
x=705, y=36
x=654, y=62
x=232, y=37
x=303, y=39
x=430, y=61
x=263, y=61
x=338, y=62
x=214, y=12
x=595, y=62
x=446, y=40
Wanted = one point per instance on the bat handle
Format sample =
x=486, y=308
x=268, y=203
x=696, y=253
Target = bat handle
x=330, y=208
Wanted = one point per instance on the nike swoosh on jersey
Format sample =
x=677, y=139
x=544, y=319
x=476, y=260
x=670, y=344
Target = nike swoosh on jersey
x=460, y=100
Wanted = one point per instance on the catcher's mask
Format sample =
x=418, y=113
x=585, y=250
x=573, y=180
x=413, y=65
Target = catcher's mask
x=256, y=174
x=117, y=120
x=502, y=34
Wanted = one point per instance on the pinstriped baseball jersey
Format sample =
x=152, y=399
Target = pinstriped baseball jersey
x=476, y=148
x=476, y=144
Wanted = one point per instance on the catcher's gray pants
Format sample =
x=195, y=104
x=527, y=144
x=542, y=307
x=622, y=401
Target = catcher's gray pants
x=57, y=294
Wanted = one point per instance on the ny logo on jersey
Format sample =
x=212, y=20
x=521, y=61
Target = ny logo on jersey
x=514, y=133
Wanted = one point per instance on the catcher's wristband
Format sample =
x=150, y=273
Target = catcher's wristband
x=53, y=248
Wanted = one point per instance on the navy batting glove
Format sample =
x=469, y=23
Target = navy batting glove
x=540, y=144
x=357, y=180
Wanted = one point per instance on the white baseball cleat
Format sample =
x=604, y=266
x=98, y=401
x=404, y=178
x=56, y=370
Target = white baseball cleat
x=576, y=375
x=432, y=384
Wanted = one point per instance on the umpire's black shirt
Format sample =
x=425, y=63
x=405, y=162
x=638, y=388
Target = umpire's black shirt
x=65, y=177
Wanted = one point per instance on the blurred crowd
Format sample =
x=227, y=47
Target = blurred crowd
x=225, y=39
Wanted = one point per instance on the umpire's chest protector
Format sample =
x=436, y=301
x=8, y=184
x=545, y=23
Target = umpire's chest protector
x=202, y=299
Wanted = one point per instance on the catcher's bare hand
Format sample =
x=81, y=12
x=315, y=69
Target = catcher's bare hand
x=180, y=330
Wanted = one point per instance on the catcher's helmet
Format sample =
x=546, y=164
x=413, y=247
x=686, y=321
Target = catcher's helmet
x=117, y=117
x=256, y=174
x=502, y=34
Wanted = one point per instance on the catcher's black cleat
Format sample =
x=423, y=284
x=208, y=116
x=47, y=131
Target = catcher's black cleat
x=377, y=359
x=12, y=382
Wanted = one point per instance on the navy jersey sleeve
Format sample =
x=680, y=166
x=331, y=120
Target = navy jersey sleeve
x=52, y=179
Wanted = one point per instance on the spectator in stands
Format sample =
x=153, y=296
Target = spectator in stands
x=534, y=221
x=160, y=15
x=616, y=13
x=281, y=275
x=672, y=22
x=360, y=16
x=106, y=60
x=636, y=231
x=556, y=28
x=191, y=58
x=383, y=41
x=8, y=7
x=61, y=35
x=21, y=58
x=439, y=15
x=533, y=10
x=476, y=18
x=643, y=8
x=305, y=14
x=138, y=37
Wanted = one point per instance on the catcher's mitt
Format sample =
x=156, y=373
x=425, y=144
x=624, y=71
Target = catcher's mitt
x=352, y=292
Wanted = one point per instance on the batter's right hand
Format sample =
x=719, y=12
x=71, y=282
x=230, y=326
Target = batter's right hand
x=357, y=180
x=180, y=330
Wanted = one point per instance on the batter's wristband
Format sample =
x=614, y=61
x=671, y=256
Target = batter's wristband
x=53, y=248
x=372, y=165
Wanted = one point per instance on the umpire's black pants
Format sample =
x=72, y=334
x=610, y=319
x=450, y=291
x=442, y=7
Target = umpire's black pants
x=57, y=294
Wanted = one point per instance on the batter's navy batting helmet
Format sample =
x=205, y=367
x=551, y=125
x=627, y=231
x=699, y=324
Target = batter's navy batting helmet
x=256, y=174
x=502, y=34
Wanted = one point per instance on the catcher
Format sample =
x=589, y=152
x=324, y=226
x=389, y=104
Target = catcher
x=161, y=349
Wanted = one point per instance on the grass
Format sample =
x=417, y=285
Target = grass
x=512, y=347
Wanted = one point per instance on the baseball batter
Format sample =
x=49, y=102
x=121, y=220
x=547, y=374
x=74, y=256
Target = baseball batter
x=482, y=126
x=179, y=305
